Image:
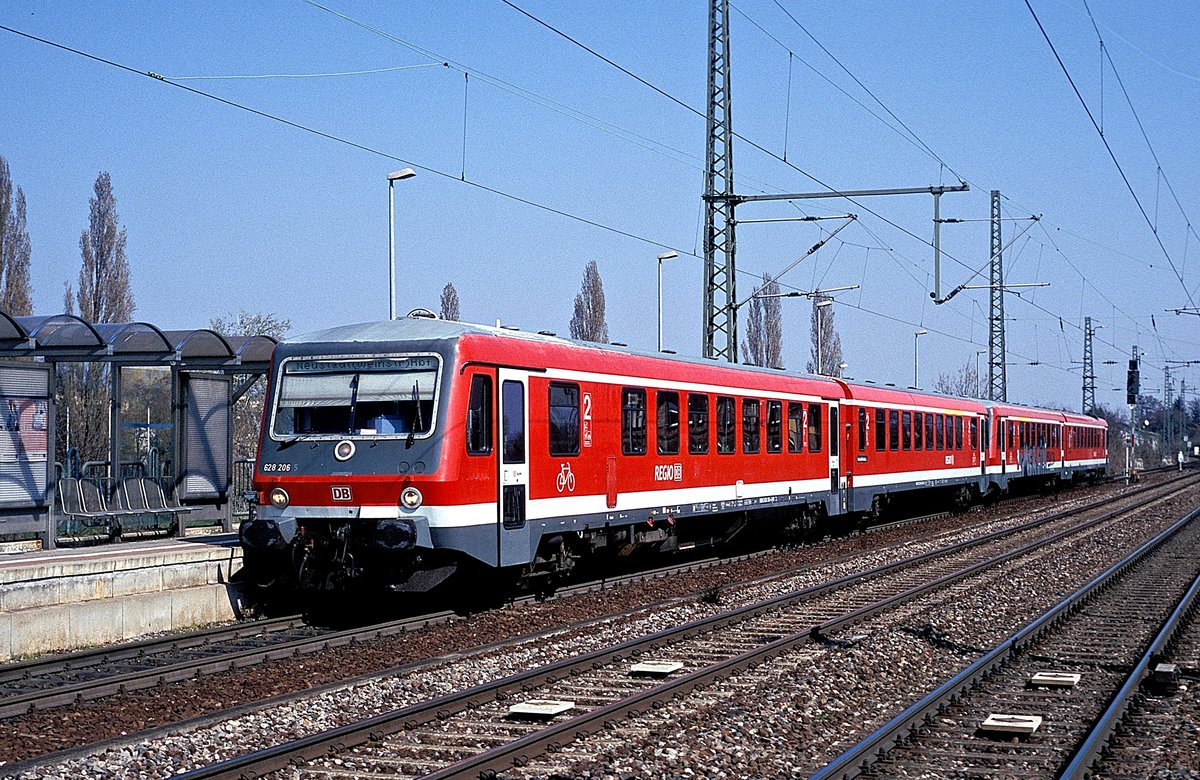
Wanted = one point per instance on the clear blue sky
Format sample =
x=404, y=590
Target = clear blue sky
x=228, y=211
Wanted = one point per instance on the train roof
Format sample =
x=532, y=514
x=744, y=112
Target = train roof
x=386, y=333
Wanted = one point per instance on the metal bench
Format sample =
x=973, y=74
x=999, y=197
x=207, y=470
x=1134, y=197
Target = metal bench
x=82, y=522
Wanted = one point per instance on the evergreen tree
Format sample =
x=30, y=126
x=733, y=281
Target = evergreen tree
x=588, y=323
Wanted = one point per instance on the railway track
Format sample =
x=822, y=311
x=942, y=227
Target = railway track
x=60, y=680
x=1157, y=711
x=54, y=681
x=1035, y=705
x=473, y=732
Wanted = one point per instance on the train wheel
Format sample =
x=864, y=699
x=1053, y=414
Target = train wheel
x=964, y=496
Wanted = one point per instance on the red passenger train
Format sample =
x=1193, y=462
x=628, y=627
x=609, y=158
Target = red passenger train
x=397, y=452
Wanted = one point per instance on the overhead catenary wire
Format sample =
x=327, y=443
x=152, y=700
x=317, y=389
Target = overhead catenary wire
x=892, y=253
x=1137, y=118
x=335, y=74
x=1112, y=154
x=340, y=140
x=552, y=28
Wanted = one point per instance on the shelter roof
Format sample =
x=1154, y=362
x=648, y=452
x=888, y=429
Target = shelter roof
x=68, y=338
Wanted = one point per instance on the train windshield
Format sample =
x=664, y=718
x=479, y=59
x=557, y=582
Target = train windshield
x=369, y=397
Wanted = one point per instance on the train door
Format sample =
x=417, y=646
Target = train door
x=835, y=438
x=512, y=534
x=984, y=435
x=1002, y=443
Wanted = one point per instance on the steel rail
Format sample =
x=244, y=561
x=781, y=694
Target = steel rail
x=346, y=737
x=112, y=684
x=1090, y=751
x=856, y=761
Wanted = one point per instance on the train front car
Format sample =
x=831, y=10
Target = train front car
x=350, y=465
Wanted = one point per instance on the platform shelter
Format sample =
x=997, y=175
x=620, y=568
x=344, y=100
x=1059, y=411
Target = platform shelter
x=209, y=374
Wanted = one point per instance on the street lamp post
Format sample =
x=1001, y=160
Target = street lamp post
x=916, y=341
x=392, y=178
x=821, y=306
x=670, y=255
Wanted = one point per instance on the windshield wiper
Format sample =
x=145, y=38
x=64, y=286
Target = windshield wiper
x=353, y=402
x=418, y=423
x=283, y=445
x=420, y=426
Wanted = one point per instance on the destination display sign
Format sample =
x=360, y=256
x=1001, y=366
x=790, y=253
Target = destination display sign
x=415, y=363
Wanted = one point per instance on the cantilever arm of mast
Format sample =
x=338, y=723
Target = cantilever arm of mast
x=811, y=250
x=930, y=190
x=1032, y=220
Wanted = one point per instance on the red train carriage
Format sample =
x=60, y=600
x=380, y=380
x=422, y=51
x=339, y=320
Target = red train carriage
x=900, y=442
x=396, y=452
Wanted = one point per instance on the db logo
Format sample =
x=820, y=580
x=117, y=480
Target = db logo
x=340, y=492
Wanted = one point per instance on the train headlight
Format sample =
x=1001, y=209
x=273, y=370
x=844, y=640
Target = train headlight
x=410, y=498
x=344, y=450
x=280, y=498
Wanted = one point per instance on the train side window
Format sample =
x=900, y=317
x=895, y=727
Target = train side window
x=633, y=421
x=697, y=423
x=974, y=435
x=814, y=427
x=941, y=427
x=564, y=419
x=795, y=423
x=893, y=430
x=906, y=430
x=666, y=419
x=958, y=432
x=513, y=414
x=918, y=431
x=726, y=425
x=479, y=416
x=774, y=426
x=880, y=430
x=985, y=433
x=929, y=430
x=751, y=420
x=862, y=429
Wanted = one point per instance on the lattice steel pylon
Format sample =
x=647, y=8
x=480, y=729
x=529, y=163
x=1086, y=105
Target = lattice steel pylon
x=1089, y=368
x=720, y=282
x=997, y=354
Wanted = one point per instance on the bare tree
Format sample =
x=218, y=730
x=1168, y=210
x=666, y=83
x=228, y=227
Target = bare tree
x=16, y=297
x=753, y=351
x=104, y=295
x=826, y=343
x=763, y=344
x=450, y=303
x=772, y=323
x=588, y=323
x=104, y=292
x=964, y=383
x=248, y=411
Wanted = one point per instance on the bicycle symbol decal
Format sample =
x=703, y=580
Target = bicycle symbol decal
x=565, y=479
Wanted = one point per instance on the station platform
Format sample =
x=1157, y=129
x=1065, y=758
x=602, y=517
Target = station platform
x=70, y=598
